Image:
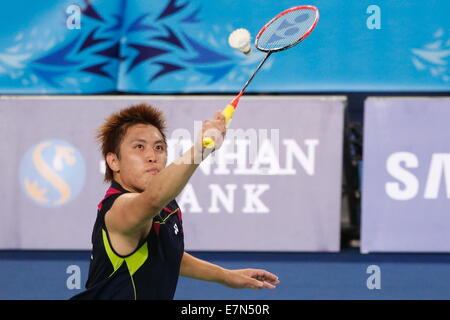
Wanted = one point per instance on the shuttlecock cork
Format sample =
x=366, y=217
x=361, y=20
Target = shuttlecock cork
x=240, y=39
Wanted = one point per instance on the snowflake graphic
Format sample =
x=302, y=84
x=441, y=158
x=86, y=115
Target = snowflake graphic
x=434, y=56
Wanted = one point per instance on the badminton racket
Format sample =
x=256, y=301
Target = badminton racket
x=284, y=31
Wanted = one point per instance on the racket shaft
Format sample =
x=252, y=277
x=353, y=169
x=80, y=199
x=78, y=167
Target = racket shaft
x=254, y=73
x=228, y=112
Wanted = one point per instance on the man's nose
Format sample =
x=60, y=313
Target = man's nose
x=151, y=156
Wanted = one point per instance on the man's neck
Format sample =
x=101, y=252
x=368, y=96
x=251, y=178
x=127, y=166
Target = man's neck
x=124, y=185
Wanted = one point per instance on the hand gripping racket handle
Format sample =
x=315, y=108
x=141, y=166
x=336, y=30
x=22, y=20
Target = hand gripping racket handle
x=228, y=112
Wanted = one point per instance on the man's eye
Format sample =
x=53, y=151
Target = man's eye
x=160, y=148
x=139, y=146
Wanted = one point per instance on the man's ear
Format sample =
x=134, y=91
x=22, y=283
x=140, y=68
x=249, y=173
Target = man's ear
x=113, y=162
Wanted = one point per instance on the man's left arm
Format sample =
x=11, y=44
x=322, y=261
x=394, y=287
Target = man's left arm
x=193, y=267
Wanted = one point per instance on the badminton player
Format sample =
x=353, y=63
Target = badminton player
x=138, y=247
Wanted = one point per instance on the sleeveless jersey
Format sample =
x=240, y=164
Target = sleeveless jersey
x=150, y=272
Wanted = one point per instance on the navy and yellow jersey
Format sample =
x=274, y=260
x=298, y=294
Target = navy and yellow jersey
x=150, y=272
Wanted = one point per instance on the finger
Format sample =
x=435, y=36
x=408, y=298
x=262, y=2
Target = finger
x=272, y=280
x=268, y=285
x=255, y=284
x=267, y=276
x=214, y=125
x=223, y=130
x=220, y=125
x=214, y=133
x=219, y=116
x=206, y=124
x=268, y=279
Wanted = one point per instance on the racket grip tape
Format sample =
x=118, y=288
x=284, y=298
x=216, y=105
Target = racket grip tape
x=228, y=112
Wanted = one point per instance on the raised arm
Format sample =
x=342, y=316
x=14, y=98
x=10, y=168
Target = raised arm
x=133, y=211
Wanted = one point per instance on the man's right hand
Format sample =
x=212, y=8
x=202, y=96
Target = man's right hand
x=214, y=129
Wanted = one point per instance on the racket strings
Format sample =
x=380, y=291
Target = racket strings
x=286, y=30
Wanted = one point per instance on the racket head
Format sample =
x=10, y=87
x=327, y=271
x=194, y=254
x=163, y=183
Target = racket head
x=287, y=29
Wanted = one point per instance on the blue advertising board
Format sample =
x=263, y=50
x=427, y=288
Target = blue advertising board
x=173, y=46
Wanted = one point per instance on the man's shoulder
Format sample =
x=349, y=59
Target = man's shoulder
x=112, y=193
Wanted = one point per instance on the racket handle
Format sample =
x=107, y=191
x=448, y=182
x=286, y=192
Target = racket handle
x=208, y=142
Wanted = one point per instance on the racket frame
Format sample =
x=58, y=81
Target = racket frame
x=280, y=15
x=228, y=112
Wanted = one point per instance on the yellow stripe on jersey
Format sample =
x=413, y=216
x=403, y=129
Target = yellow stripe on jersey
x=168, y=216
x=134, y=262
x=115, y=260
x=137, y=259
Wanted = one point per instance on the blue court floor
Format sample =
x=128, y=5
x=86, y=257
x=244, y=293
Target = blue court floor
x=344, y=275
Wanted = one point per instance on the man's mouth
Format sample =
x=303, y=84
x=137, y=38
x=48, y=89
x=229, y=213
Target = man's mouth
x=153, y=171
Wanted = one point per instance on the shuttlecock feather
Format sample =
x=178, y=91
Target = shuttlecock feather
x=240, y=39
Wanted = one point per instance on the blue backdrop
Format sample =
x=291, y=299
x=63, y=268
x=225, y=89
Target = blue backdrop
x=174, y=46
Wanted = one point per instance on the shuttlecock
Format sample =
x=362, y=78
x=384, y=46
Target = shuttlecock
x=240, y=39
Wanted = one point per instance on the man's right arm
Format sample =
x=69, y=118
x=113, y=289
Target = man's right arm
x=133, y=211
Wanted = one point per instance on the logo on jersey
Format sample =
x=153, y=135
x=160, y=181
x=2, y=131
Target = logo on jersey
x=52, y=173
x=176, y=228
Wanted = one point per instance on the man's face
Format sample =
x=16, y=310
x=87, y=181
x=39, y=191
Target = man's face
x=142, y=153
